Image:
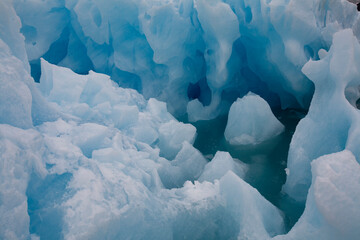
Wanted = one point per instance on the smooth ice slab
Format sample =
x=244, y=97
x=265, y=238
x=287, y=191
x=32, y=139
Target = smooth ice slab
x=251, y=121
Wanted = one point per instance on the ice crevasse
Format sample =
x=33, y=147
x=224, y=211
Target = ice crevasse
x=83, y=157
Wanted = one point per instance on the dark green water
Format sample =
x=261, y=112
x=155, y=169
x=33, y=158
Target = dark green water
x=266, y=162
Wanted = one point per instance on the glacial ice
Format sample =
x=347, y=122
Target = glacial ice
x=112, y=179
x=20, y=157
x=82, y=157
x=335, y=72
x=170, y=45
x=332, y=205
x=102, y=176
x=251, y=121
x=14, y=92
x=155, y=45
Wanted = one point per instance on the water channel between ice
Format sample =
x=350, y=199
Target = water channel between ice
x=266, y=162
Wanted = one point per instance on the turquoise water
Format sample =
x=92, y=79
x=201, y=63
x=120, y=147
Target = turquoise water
x=267, y=161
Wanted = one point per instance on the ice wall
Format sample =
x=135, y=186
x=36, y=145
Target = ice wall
x=19, y=152
x=183, y=52
x=13, y=65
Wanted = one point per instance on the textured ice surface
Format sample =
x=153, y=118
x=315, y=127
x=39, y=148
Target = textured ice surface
x=198, y=56
x=314, y=137
x=82, y=158
x=251, y=121
x=332, y=206
x=15, y=92
x=117, y=179
x=95, y=98
x=21, y=155
x=88, y=173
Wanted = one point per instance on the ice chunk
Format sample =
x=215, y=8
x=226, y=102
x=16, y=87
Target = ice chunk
x=315, y=136
x=145, y=133
x=58, y=84
x=255, y=217
x=91, y=136
x=158, y=110
x=220, y=165
x=332, y=206
x=225, y=209
x=125, y=116
x=251, y=121
x=172, y=134
x=187, y=165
